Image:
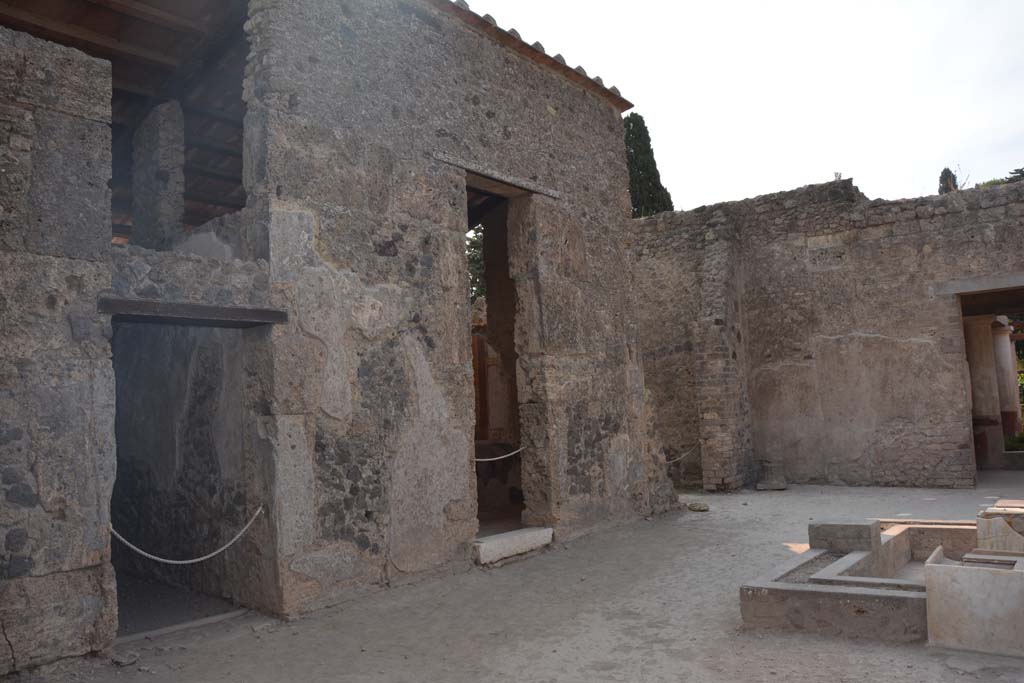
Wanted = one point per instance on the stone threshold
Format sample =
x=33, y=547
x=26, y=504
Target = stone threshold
x=184, y=626
x=493, y=549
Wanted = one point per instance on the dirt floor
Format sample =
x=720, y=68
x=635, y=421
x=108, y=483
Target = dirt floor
x=648, y=601
x=144, y=606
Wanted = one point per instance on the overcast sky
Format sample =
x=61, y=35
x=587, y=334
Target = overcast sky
x=748, y=97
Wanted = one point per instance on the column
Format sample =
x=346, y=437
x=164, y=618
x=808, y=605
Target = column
x=985, y=407
x=1006, y=376
x=158, y=177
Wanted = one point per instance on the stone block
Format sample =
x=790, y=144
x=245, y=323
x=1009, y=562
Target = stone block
x=886, y=615
x=996, y=533
x=158, y=177
x=57, y=463
x=292, y=243
x=17, y=135
x=58, y=615
x=54, y=183
x=432, y=192
x=48, y=306
x=975, y=607
x=293, y=509
x=42, y=74
x=139, y=273
x=492, y=549
x=844, y=537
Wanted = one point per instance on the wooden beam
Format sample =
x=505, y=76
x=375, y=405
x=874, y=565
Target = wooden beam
x=194, y=220
x=477, y=212
x=153, y=15
x=211, y=61
x=107, y=44
x=213, y=201
x=213, y=173
x=212, y=115
x=140, y=89
x=1003, y=302
x=493, y=187
x=211, y=146
x=183, y=313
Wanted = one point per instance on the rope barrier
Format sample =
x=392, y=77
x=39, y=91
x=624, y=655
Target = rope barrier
x=501, y=457
x=196, y=560
x=669, y=462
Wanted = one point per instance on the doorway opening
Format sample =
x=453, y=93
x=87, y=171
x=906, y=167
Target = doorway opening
x=181, y=485
x=499, y=462
x=993, y=330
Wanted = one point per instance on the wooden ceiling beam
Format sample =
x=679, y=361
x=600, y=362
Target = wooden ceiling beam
x=213, y=173
x=477, y=213
x=211, y=146
x=223, y=202
x=107, y=44
x=158, y=94
x=152, y=15
x=139, y=89
x=212, y=115
x=217, y=48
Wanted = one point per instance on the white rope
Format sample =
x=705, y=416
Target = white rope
x=198, y=559
x=669, y=462
x=500, y=457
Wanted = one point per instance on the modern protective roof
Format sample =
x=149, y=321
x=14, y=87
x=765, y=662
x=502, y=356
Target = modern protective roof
x=511, y=39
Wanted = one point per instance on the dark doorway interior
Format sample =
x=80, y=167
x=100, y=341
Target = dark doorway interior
x=993, y=322
x=499, y=478
x=180, y=488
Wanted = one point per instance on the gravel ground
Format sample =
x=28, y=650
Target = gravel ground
x=648, y=601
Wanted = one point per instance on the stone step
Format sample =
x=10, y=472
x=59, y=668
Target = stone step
x=492, y=549
x=991, y=558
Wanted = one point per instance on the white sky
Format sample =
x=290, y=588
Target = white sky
x=745, y=97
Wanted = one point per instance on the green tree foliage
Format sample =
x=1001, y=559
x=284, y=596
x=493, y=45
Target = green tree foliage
x=646, y=192
x=475, y=254
x=947, y=182
x=1016, y=176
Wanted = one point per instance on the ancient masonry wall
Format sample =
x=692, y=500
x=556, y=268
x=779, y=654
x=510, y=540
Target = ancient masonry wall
x=361, y=117
x=56, y=380
x=666, y=291
x=850, y=346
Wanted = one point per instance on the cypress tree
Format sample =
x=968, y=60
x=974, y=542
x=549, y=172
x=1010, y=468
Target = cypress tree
x=947, y=182
x=1016, y=175
x=646, y=192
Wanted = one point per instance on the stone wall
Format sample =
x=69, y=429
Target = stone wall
x=666, y=284
x=849, y=339
x=56, y=381
x=138, y=273
x=361, y=117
